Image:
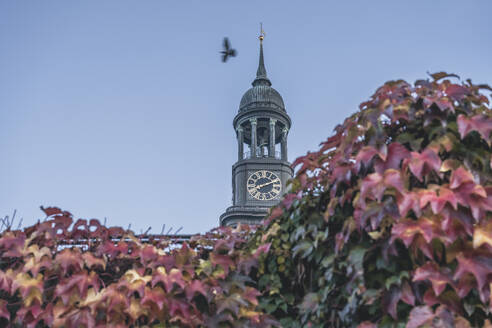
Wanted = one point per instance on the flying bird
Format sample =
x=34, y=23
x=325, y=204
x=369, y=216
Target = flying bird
x=228, y=51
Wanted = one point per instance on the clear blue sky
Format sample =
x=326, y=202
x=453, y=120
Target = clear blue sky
x=122, y=109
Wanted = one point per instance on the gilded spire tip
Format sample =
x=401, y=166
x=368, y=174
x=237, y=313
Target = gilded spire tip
x=261, y=75
x=262, y=33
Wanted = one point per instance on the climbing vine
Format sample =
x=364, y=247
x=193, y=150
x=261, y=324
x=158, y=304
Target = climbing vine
x=388, y=224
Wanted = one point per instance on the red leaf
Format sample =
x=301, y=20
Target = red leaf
x=276, y=212
x=116, y=301
x=407, y=229
x=396, y=153
x=445, y=196
x=289, y=199
x=438, y=277
x=407, y=295
x=441, y=75
x=80, y=229
x=224, y=261
x=408, y=201
x=389, y=157
x=91, y=261
x=155, y=296
x=13, y=243
x=456, y=92
x=148, y=253
x=196, y=286
x=95, y=228
x=423, y=163
x=251, y=295
x=465, y=284
x=29, y=316
x=179, y=309
x=331, y=142
x=83, y=318
x=69, y=259
x=115, y=232
x=476, y=197
x=459, y=177
x=49, y=211
x=341, y=173
x=110, y=249
x=480, y=123
x=480, y=266
x=262, y=249
x=419, y=316
x=4, y=313
x=80, y=281
x=169, y=280
x=438, y=202
x=6, y=278
x=457, y=223
x=364, y=156
x=375, y=184
x=390, y=300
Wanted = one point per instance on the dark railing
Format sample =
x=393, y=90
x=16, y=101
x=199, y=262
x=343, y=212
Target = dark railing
x=259, y=154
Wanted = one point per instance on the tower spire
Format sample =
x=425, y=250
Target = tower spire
x=261, y=74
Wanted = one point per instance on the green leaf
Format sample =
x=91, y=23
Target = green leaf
x=304, y=247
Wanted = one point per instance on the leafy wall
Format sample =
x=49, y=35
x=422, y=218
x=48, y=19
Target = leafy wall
x=388, y=224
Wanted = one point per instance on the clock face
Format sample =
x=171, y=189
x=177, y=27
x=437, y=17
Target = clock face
x=264, y=185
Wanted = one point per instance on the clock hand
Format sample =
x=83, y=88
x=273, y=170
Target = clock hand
x=265, y=184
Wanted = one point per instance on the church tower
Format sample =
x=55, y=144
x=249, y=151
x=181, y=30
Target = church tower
x=260, y=174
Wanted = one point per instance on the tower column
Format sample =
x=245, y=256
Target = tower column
x=284, y=144
x=253, y=137
x=271, y=148
x=240, y=143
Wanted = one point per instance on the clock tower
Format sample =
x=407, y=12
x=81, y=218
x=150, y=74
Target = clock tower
x=260, y=174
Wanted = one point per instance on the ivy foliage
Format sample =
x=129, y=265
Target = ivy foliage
x=389, y=224
x=61, y=273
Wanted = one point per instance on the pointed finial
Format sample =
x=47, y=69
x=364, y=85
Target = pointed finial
x=261, y=75
x=262, y=33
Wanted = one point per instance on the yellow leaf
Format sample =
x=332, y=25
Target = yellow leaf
x=91, y=298
x=244, y=312
x=271, y=232
x=34, y=294
x=136, y=310
x=205, y=267
x=25, y=283
x=375, y=234
x=219, y=272
x=132, y=276
x=482, y=235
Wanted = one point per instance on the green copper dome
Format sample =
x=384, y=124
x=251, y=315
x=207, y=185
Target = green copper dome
x=262, y=94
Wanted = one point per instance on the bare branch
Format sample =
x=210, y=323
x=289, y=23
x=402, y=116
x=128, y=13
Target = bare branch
x=19, y=226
